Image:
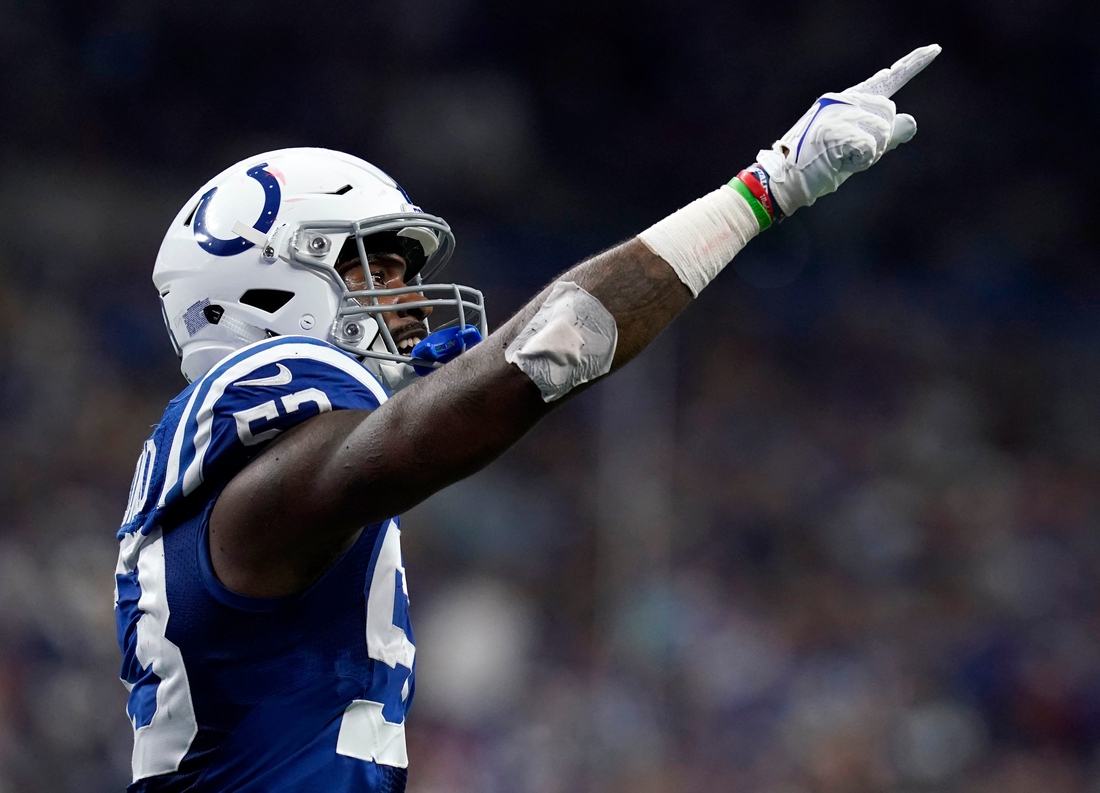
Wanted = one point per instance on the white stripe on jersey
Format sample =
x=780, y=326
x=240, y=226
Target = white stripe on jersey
x=160, y=745
x=385, y=641
x=172, y=472
x=143, y=479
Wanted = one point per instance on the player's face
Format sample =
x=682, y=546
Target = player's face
x=387, y=271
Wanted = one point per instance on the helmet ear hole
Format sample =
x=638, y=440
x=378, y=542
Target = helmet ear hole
x=269, y=300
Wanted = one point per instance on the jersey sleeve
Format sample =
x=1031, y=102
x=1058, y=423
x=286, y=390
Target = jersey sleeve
x=252, y=397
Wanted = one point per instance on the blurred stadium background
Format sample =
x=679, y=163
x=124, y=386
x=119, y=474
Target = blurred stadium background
x=837, y=531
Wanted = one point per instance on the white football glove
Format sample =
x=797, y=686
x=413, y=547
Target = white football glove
x=842, y=134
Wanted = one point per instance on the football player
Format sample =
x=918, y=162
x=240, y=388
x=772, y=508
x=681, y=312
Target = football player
x=261, y=598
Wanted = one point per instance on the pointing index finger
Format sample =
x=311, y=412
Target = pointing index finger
x=887, y=81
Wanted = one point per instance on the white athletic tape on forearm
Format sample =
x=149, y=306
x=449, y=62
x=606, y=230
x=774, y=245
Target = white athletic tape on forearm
x=570, y=340
x=703, y=237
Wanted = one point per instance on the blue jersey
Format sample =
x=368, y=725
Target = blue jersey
x=236, y=693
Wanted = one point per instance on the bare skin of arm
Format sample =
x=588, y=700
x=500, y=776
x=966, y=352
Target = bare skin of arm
x=289, y=514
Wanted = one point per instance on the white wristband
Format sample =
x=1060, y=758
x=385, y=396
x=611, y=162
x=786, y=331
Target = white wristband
x=699, y=240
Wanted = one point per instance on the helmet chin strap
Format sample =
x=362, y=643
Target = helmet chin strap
x=396, y=376
x=245, y=331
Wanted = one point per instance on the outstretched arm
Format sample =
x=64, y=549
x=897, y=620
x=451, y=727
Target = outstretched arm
x=280, y=521
x=454, y=422
x=290, y=512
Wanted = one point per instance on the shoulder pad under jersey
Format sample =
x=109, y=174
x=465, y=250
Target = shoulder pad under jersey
x=211, y=430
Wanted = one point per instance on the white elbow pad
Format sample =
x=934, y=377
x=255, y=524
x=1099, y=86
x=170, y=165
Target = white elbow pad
x=569, y=341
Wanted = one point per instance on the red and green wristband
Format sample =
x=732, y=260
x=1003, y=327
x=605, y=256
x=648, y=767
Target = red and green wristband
x=752, y=184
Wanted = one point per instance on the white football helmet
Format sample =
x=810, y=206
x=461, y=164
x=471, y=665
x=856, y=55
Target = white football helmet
x=252, y=255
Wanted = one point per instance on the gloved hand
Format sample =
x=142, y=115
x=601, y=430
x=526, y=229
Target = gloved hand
x=842, y=133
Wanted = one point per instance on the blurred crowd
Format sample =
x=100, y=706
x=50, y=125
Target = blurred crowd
x=835, y=533
x=880, y=575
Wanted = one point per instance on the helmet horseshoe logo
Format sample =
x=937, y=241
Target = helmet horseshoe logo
x=219, y=247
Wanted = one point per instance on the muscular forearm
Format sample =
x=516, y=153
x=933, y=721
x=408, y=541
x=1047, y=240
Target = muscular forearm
x=469, y=412
x=319, y=482
x=639, y=288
